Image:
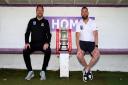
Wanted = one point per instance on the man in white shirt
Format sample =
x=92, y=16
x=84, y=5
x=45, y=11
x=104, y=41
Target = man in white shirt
x=87, y=41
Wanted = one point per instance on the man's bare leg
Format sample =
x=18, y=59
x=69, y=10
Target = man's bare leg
x=95, y=57
x=82, y=60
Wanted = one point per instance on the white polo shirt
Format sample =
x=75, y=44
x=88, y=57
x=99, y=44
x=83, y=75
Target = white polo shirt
x=86, y=30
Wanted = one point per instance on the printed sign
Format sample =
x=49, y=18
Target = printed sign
x=64, y=22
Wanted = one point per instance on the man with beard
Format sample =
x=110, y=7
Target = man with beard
x=39, y=29
x=87, y=41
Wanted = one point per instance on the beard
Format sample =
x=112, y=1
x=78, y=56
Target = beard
x=84, y=17
x=40, y=16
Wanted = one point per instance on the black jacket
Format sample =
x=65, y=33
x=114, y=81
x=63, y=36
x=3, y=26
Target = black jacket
x=39, y=30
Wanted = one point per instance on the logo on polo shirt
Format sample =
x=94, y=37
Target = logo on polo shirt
x=42, y=24
x=81, y=27
x=34, y=22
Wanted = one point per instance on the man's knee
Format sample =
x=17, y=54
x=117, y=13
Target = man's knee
x=47, y=52
x=80, y=56
x=96, y=55
x=26, y=51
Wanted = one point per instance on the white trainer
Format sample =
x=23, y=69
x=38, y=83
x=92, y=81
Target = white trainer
x=42, y=75
x=30, y=75
x=85, y=76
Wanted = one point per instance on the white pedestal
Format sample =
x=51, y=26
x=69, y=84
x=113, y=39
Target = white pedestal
x=64, y=64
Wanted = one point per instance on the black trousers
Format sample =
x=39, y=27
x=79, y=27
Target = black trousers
x=36, y=47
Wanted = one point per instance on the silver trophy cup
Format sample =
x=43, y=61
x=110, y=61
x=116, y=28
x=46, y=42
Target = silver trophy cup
x=64, y=40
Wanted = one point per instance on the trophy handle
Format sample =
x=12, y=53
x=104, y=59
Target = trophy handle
x=57, y=41
x=70, y=40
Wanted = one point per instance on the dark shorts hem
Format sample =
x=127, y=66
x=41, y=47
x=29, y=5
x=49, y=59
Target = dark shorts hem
x=87, y=46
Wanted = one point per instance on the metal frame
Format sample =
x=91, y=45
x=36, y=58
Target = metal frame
x=74, y=4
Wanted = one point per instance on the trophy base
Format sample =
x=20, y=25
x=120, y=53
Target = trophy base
x=63, y=48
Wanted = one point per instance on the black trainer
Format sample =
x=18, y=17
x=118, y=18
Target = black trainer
x=90, y=75
x=85, y=76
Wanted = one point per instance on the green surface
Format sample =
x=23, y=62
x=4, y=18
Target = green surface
x=16, y=77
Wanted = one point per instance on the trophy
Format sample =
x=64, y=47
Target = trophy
x=63, y=39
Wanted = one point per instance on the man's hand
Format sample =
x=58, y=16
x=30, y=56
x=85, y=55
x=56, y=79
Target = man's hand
x=96, y=52
x=27, y=45
x=45, y=47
